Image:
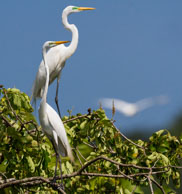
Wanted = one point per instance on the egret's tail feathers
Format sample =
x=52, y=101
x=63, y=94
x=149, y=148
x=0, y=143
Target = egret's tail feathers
x=34, y=103
x=34, y=97
x=36, y=92
x=163, y=99
x=70, y=154
x=65, y=150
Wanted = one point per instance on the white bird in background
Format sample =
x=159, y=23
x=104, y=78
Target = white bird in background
x=57, y=56
x=131, y=109
x=50, y=121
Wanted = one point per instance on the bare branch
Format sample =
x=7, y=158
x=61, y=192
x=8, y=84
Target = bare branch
x=88, y=144
x=81, y=154
x=127, y=138
x=150, y=183
x=133, y=191
x=75, y=118
x=179, y=167
x=158, y=185
x=6, y=121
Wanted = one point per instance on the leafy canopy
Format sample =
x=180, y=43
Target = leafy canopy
x=124, y=165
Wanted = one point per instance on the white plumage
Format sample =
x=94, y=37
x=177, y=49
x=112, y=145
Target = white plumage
x=54, y=129
x=55, y=61
x=57, y=56
x=130, y=109
x=50, y=121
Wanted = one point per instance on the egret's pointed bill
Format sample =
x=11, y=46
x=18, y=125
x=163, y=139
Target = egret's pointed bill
x=60, y=42
x=86, y=8
x=55, y=43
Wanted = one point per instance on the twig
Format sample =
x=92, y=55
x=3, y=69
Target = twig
x=158, y=185
x=32, y=122
x=180, y=167
x=75, y=118
x=81, y=154
x=127, y=138
x=150, y=183
x=88, y=144
x=2, y=174
x=146, y=173
x=6, y=121
x=78, y=158
x=17, y=117
x=134, y=189
x=57, y=187
x=125, y=175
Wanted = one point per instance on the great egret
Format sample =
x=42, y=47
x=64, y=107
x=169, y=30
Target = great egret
x=131, y=109
x=50, y=121
x=57, y=56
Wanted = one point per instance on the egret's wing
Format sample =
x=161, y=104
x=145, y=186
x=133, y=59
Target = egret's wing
x=119, y=105
x=144, y=103
x=55, y=61
x=162, y=99
x=148, y=102
x=57, y=126
x=39, y=82
x=55, y=137
x=54, y=56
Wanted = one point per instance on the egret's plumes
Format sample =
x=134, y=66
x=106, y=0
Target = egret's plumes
x=130, y=109
x=50, y=121
x=57, y=56
x=54, y=129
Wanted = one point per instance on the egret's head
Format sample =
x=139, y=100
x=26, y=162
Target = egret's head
x=73, y=9
x=50, y=44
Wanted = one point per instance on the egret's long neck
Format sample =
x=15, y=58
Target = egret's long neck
x=71, y=27
x=44, y=96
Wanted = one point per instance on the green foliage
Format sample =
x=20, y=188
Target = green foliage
x=26, y=152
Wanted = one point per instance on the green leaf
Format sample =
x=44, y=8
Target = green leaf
x=69, y=167
x=31, y=163
x=83, y=124
x=17, y=101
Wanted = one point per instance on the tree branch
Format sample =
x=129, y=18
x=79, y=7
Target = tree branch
x=40, y=180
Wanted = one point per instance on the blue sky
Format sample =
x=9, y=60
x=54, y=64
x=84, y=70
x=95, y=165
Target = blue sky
x=127, y=49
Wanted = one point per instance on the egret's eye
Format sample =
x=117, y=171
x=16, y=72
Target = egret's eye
x=74, y=8
x=51, y=44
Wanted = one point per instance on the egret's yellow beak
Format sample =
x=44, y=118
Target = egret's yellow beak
x=60, y=42
x=85, y=8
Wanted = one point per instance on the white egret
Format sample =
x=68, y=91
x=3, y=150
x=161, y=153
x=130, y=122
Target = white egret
x=131, y=109
x=50, y=121
x=57, y=56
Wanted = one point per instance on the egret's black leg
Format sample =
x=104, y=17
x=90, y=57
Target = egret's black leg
x=57, y=158
x=62, y=185
x=56, y=98
x=55, y=173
